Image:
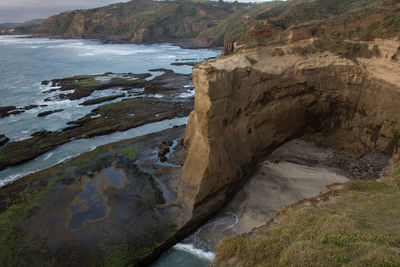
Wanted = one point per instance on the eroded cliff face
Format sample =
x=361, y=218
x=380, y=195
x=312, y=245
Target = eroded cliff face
x=78, y=25
x=139, y=21
x=249, y=103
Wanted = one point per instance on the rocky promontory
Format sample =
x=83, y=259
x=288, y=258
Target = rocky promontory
x=318, y=79
x=249, y=103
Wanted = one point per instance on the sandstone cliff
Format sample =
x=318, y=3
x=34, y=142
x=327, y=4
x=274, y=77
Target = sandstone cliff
x=249, y=103
x=139, y=21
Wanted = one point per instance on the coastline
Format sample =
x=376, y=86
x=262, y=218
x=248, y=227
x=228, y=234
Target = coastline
x=182, y=43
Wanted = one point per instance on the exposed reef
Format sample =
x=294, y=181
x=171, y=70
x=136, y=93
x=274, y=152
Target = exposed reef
x=114, y=206
x=13, y=110
x=101, y=100
x=168, y=83
x=46, y=113
x=119, y=116
x=3, y=139
x=163, y=97
x=84, y=85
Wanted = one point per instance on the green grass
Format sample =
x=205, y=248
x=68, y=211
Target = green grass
x=129, y=18
x=89, y=82
x=56, y=179
x=346, y=49
x=88, y=161
x=129, y=152
x=13, y=241
x=359, y=227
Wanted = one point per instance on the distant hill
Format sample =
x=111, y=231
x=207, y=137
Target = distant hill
x=213, y=23
x=331, y=21
x=140, y=20
x=26, y=27
x=33, y=22
x=5, y=26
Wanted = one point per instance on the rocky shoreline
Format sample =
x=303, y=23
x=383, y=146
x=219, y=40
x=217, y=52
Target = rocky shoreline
x=153, y=160
x=114, y=205
x=3, y=139
x=291, y=135
x=139, y=107
x=297, y=170
x=13, y=110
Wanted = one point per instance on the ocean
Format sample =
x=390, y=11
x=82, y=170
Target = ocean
x=25, y=62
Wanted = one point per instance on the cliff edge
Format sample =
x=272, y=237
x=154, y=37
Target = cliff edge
x=249, y=103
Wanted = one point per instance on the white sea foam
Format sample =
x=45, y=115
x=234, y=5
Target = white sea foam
x=166, y=57
x=10, y=179
x=45, y=88
x=22, y=39
x=77, y=147
x=48, y=156
x=155, y=95
x=236, y=218
x=190, y=93
x=195, y=251
x=84, y=49
x=55, y=58
x=96, y=50
x=67, y=45
x=173, y=47
x=59, y=102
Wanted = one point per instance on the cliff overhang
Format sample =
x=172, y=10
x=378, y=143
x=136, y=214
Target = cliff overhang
x=249, y=103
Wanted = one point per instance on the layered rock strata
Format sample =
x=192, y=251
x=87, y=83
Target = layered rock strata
x=249, y=103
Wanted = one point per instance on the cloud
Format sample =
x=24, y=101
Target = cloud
x=23, y=10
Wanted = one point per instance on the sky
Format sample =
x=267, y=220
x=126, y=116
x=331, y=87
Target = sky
x=23, y=10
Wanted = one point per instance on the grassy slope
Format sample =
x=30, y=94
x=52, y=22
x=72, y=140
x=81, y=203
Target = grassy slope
x=229, y=21
x=359, y=225
x=234, y=23
x=355, y=224
x=324, y=19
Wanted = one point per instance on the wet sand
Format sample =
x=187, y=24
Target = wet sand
x=295, y=170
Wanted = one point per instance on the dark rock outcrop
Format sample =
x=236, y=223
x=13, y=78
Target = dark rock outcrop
x=46, y=113
x=101, y=100
x=120, y=116
x=3, y=139
x=13, y=110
